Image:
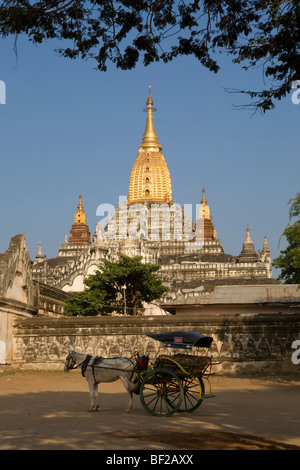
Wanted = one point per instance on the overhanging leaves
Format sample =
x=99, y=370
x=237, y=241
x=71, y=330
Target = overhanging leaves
x=257, y=33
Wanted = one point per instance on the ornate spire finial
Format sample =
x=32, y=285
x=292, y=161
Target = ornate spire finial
x=204, y=208
x=39, y=253
x=150, y=139
x=266, y=246
x=149, y=100
x=80, y=217
x=203, y=201
x=248, y=239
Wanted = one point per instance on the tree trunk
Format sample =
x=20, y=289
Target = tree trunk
x=134, y=301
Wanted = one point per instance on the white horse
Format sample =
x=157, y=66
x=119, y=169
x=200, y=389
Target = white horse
x=97, y=369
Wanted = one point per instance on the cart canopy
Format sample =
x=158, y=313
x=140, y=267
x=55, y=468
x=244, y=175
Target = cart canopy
x=182, y=339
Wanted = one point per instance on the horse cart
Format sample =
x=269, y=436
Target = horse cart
x=172, y=383
x=176, y=382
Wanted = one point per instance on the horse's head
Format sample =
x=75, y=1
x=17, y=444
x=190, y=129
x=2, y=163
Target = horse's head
x=70, y=361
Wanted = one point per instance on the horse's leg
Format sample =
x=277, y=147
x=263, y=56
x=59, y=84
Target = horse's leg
x=93, y=386
x=130, y=387
x=96, y=402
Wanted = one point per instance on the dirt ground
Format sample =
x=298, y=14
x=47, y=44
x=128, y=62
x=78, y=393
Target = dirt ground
x=49, y=411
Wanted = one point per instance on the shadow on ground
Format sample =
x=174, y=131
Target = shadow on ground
x=44, y=411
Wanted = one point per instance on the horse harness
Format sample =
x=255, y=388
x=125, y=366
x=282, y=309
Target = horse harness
x=97, y=360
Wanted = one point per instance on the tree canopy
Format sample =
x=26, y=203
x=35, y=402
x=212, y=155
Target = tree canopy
x=289, y=259
x=117, y=287
x=255, y=33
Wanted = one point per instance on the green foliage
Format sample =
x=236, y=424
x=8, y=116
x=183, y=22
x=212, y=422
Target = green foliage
x=128, y=282
x=289, y=259
x=257, y=33
x=87, y=303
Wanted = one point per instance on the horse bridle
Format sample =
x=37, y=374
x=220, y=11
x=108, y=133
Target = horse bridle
x=68, y=363
x=73, y=365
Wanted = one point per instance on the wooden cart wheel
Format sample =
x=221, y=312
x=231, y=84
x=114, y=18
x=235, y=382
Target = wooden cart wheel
x=193, y=392
x=161, y=392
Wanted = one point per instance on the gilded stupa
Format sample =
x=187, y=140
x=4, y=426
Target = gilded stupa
x=150, y=224
x=150, y=179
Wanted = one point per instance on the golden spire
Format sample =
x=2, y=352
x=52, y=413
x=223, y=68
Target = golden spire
x=80, y=217
x=203, y=200
x=205, y=229
x=205, y=207
x=150, y=179
x=150, y=139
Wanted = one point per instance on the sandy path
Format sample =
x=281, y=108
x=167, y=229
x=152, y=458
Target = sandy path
x=48, y=410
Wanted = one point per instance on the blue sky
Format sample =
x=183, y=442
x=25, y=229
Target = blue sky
x=68, y=129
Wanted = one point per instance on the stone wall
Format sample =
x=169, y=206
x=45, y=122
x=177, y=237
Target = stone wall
x=21, y=296
x=18, y=295
x=243, y=344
